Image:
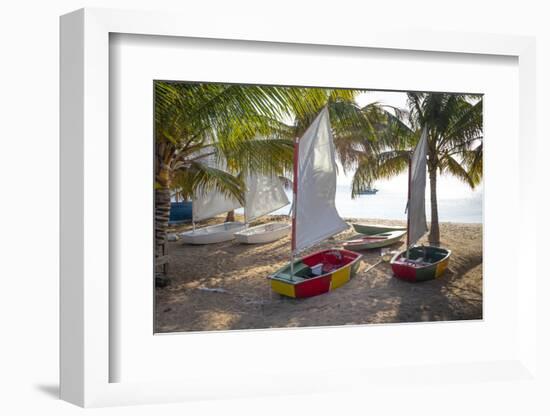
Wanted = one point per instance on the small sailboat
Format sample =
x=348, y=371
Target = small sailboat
x=208, y=204
x=264, y=195
x=419, y=263
x=314, y=219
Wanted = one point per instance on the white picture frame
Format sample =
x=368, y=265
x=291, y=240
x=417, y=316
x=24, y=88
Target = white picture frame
x=85, y=264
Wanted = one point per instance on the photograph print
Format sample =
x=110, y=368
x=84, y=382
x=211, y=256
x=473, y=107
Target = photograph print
x=285, y=206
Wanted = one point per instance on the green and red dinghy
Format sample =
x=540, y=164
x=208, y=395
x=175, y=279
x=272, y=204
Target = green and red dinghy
x=422, y=263
x=314, y=219
x=419, y=263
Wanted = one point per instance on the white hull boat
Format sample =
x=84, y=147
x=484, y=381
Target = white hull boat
x=213, y=233
x=265, y=233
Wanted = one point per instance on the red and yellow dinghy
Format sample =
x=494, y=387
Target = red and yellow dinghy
x=423, y=263
x=316, y=274
x=315, y=218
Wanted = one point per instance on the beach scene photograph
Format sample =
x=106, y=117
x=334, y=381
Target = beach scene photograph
x=292, y=206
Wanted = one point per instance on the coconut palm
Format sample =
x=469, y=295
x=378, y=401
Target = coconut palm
x=455, y=144
x=238, y=124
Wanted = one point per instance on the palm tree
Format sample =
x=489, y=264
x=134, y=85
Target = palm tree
x=239, y=124
x=455, y=144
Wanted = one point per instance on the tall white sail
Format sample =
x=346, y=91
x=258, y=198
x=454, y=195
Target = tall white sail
x=264, y=194
x=316, y=217
x=417, y=190
x=209, y=203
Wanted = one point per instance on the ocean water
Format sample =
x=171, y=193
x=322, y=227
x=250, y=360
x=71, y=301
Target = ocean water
x=456, y=201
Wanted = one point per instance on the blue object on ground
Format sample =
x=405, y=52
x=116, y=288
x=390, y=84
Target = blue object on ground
x=180, y=212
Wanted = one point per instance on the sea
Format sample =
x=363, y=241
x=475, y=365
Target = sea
x=456, y=201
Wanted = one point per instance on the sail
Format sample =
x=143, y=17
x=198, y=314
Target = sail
x=264, y=194
x=315, y=213
x=417, y=189
x=209, y=203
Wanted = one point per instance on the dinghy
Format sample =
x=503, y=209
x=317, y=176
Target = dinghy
x=369, y=229
x=208, y=204
x=212, y=234
x=264, y=233
x=314, y=219
x=419, y=263
x=264, y=194
x=422, y=263
x=367, y=242
x=315, y=274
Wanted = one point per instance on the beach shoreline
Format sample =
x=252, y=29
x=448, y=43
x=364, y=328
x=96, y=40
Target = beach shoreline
x=224, y=286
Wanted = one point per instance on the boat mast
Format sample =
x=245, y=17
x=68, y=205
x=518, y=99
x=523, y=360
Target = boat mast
x=294, y=205
x=409, y=206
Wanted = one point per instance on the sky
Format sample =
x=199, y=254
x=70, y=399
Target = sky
x=448, y=187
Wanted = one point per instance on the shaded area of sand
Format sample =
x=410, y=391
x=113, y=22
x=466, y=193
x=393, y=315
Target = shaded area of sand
x=224, y=286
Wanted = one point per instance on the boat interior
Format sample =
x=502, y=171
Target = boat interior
x=272, y=226
x=316, y=265
x=226, y=226
x=424, y=255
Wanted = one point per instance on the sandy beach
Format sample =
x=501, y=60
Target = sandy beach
x=223, y=286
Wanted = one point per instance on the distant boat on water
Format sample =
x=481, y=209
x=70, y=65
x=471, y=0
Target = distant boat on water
x=368, y=191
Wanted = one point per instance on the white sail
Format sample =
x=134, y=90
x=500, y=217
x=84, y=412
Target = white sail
x=264, y=194
x=417, y=188
x=209, y=203
x=316, y=217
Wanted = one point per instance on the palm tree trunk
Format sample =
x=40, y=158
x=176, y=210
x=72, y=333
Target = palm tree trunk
x=433, y=237
x=230, y=216
x=163, y=178
x=162, y=215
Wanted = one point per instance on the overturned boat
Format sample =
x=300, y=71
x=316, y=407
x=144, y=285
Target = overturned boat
x=370, y=229
x=368, y=242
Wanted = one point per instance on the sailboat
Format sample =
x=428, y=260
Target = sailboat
x=264, y=195
x=208, y=203
x=314, y=219
x=419, y=263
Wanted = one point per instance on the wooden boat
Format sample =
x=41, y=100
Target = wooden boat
x=213, y=233
x=367, y=242
x=418, y=263
x=370, y=229
x=316, y=273
x=421, y=263
x=265, y=233
x=264, y=194
x=314, y=219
